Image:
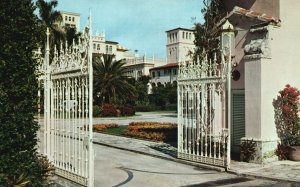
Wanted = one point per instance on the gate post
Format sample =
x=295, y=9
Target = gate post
x=227, y=47
x=90, y=70
x=47, y=144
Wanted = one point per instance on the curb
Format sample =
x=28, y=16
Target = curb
x=262, y=177
x=199, y=165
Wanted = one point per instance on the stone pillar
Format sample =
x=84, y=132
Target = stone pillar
x=259, y=94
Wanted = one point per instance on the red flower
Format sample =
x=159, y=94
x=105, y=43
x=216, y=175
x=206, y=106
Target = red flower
x=286, y=108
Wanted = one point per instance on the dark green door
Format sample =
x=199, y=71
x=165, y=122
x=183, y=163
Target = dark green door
x=238, y=119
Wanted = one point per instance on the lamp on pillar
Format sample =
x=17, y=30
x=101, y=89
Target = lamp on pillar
x=227, y=39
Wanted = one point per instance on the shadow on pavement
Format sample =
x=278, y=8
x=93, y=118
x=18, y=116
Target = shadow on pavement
x=168, y=173
x=221, y=182
x=166, y=149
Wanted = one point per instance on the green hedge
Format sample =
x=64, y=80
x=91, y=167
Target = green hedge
x=18, y=93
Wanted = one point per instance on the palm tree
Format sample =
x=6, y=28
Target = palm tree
x=110, y=81
x=72, y=35
x=51, y=18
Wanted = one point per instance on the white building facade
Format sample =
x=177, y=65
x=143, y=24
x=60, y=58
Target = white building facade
x=70, y=19
x=140, y=66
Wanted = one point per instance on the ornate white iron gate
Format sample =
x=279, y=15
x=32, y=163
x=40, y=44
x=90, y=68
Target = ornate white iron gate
x=203, y=133
x=68, y=86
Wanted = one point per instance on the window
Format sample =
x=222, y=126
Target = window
x=176, y=36
x=98, y=47
x=158, y=74
x=73, y=19
x=186, y=36
x=69, y=18
x=166, y=72
x=170, y=37
x=174, y=71
x=94, y=46
x=182, y=35
x=140, y=73
x=110, y=49
x=106, y=48
x=66, y=18
x=170, y=52
x=153, y=74
x=190, y=36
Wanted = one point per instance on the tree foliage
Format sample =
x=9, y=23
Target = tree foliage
x=206, y=37
x=18, y=90
x=51, y=18
x=110, y=82
x=163, y=95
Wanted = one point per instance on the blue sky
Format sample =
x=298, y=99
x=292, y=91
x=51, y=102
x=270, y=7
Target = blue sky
x=136, y=24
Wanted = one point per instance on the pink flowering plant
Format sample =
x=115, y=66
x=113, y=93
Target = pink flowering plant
x=287, y=115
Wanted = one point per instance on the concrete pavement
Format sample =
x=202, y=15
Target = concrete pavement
x=115, y=167
x=285, y=171
x=170, y=117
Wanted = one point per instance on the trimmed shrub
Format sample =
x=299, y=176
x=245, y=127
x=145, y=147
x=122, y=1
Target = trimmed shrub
x=127, y=110
x=18, y=94
x=109, y=110
x=144, y=108
x=97, y=110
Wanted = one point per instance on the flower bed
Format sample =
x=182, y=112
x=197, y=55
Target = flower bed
x=153, y=131
x=103, y=127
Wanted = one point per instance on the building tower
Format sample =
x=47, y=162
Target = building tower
x=179, y=42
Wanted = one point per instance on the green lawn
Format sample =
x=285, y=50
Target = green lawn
x=116, y=131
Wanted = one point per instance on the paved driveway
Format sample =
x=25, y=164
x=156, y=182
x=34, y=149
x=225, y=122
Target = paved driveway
x=114, y=167
x=140, y=116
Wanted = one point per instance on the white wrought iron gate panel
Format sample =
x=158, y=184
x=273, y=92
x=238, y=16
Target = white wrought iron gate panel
x=203, y=134
x=68, y=110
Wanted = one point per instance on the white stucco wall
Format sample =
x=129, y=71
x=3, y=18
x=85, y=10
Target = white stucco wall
x=284, y=66
x=264, y=77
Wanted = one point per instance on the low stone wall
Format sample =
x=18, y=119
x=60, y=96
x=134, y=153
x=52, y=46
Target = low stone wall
x=265, y=150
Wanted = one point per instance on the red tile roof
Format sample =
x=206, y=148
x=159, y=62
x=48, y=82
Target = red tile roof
x=170, y=65
x=253, y=14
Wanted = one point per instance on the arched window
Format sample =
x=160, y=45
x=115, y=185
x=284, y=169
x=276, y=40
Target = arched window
x=98, y=47
x=186, y=36
x=94, y=46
